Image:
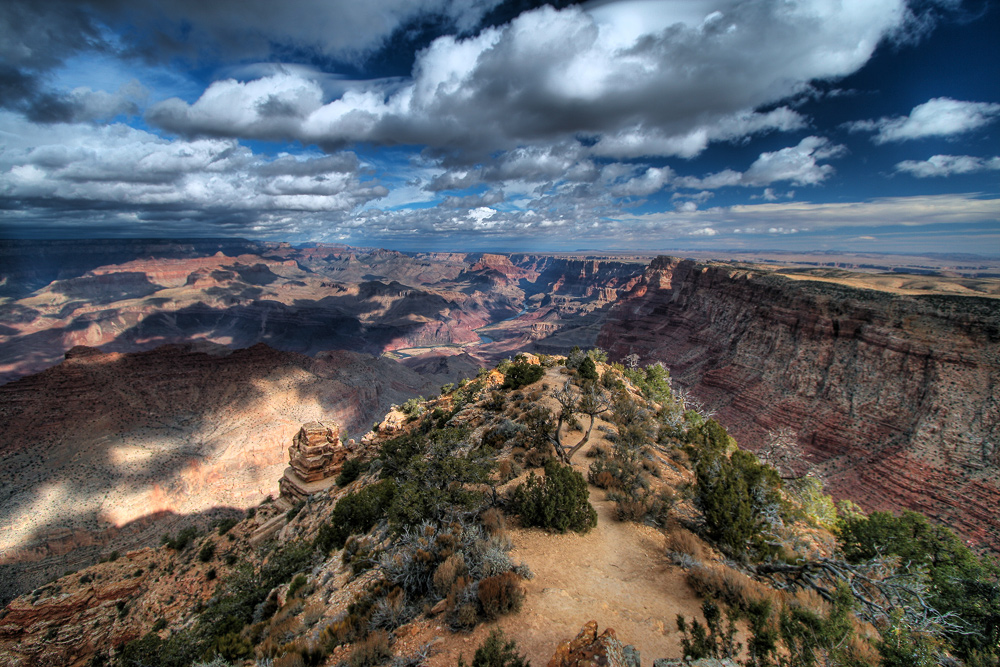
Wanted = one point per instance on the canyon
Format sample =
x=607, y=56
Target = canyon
x=151, y=385
x=307, y=301
x=893, y=393
x=108, y=451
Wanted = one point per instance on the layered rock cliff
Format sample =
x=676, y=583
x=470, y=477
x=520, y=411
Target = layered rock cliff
x=108, y=450
x=896, y=398
x=300, y=300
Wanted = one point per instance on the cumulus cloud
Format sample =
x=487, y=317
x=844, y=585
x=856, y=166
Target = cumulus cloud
x=797, y=164
x=119, y=167
x=650, y=78
x=939, y=117
x=946, y=165
x=652, y=180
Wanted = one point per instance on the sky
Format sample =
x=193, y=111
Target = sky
x=508, y=125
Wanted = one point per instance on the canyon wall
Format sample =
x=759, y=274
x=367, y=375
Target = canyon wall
x=300, y=300
x=896, y=398
x=110, y=451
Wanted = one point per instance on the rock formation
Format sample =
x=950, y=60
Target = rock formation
x=589, y=648
x=137, y=444
x=895, y=397
x=315, y=458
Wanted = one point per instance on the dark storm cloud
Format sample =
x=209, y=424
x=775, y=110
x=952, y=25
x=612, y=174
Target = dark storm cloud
x=38, y=34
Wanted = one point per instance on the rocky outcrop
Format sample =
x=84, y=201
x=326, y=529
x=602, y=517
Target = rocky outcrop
x=138, y=443
x=589, y=649
x=314, y=459
x=896, y=398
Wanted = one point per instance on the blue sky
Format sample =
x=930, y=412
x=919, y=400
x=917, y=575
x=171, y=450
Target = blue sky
x=866, y=125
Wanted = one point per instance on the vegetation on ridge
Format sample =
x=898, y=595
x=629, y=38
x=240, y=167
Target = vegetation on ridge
x=417, y=528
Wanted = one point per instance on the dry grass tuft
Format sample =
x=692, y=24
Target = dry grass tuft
x=372, y=650
x=501, y=594
x=683, y=541
x=721, y=582
x=494, y=522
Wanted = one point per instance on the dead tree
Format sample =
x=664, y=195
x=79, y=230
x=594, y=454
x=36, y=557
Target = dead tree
x=592, y=401
x=879, y=585
x=781, y=451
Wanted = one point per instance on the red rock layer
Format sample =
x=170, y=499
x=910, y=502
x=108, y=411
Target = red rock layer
x=108, y=440
x=897, y=398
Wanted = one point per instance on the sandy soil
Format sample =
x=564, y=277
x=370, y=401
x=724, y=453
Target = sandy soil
x=617, y=574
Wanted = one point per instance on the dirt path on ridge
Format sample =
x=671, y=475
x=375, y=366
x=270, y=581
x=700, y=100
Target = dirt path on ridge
x=617, y=574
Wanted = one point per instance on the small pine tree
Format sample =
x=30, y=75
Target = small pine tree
x=495, y=652
x=560, y=501
x=588, y=369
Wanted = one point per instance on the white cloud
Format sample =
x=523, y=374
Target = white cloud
x=651, y=181
x=796, y=164
x=906, y=212
x=939, y=117
x=643, y=78
x=946, y=165
x=119, y=166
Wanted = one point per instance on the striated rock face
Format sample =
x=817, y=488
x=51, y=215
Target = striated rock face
x=895, y=397
x=589, y=648
x=315, y=458
x=109, y=451
x=316, y=452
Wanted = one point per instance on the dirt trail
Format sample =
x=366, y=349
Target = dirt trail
x=617, y=574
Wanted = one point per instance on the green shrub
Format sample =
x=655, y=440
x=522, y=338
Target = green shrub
x=575, y=358
x=816, y=506
x=521, y=373
x=355, y=513
x=350, y=471
x=207, y=551
x=588, y=369
x=231, y=646
x=397, y=453
x=179, y=650
x=225, y=525
x=294, y=512
x=297, y=583
x=713, y=640
x=496, y=652
x=653, y=381
x=183, y=539
x=439, y=483
x=960, y=582
x=414, y=407
x=560, y=501
x=739, y=499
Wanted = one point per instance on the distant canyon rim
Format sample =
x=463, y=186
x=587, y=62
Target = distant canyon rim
x=153, y=383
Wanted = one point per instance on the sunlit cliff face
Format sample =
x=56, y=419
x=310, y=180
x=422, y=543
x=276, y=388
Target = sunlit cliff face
x=109, y=440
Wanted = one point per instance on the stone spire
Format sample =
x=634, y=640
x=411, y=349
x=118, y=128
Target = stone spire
x=314, y=460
